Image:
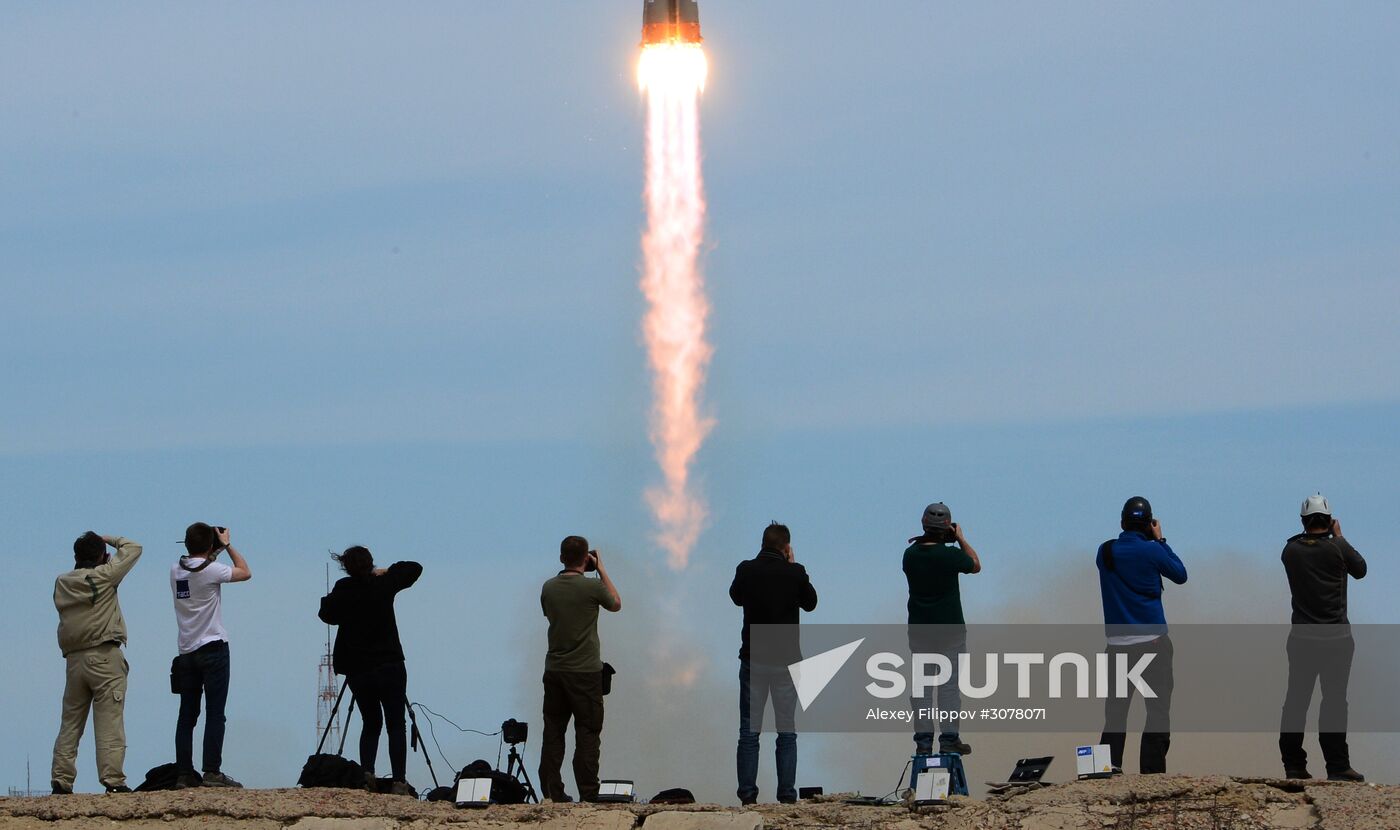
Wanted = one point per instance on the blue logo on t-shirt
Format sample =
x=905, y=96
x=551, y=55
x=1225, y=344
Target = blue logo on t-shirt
x=182, y=589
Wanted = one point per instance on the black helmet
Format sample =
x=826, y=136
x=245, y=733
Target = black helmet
x=1137, y=509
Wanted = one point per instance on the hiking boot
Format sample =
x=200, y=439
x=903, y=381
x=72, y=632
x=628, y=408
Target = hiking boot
x=923, y=748
x=1347, y=774
x=56, y=788
x=397, y=787
x=954, y=746
x=1299, y=774
x=188, y=780
x=218, y=779
x=120, y=788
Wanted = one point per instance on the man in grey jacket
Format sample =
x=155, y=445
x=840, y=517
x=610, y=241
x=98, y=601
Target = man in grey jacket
x=91, y=633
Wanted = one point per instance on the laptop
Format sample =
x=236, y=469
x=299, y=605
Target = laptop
x=616, y=792
x=473, y=792
x=1027, y=773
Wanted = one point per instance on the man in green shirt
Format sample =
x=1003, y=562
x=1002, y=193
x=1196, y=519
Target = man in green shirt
x=932, y=565
x=573, y=668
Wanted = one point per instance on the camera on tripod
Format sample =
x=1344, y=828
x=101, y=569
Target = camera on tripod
x=514, y=732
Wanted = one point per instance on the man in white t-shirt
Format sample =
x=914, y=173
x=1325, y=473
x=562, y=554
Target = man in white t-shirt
x=202, y=669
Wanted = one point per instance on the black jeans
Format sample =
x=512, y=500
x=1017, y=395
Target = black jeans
x=1311, y=661
x=576, y=695
x=381, y=693
x=203, y=673
x=1157, y=732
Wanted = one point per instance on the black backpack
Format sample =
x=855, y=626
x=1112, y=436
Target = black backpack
x=323, y=769
x=162, y=777
x=505, y=789
x=326, y=770
x=675, y=795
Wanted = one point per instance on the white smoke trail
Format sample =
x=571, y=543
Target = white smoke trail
x=672, y=77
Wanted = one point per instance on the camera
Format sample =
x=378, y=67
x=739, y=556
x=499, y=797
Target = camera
x=591, y=564
x=514, y=732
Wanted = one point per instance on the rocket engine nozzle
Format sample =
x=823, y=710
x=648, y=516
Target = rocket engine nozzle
x=670, y=21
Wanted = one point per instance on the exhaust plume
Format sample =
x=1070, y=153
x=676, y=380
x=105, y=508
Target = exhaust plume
x=672, y=76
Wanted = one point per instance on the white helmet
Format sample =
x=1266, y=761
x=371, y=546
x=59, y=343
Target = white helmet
x=1314, y=505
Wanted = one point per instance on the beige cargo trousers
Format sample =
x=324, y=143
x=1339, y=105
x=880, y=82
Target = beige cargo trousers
x=97, y=681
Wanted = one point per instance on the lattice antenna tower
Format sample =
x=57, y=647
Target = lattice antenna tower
x=28, y=791
x=325, y=687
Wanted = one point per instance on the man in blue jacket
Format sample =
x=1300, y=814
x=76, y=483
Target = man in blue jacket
x=1131, y=568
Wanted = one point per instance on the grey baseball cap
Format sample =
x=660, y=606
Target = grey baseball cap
x=937, y=516
x=1313, y=505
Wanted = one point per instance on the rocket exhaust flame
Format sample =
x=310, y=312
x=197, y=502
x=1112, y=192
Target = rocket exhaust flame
x=672, y=76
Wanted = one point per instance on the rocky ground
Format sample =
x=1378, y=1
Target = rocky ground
x=1140, y=803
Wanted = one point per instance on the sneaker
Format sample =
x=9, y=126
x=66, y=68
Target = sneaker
x=748, y=802
x=1116, y=771
x=188, y=780
x=954, y=746
x=218, y=779
x=1300, y=774
x=120, y=788
x=1347, y=774
x=56, y=788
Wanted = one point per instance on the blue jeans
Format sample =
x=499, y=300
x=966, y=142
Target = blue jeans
x=948, y=641
x=756, y=685
x=203, y=672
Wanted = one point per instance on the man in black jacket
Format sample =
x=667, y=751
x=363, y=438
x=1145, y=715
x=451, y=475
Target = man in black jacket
x=772, y=589
x=369, y=654
x=1320, y=647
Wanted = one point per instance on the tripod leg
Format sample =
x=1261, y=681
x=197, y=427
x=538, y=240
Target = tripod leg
x=416, y=738
x=515, y=765
x=331, y=719
x=344, y=733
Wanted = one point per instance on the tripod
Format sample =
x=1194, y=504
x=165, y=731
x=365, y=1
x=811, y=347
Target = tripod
x=515, y=768
x=416, y=741
x=415, y=737
x=331, y=720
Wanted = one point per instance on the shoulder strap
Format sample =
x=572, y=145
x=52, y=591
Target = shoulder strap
x=208, y=560
x=1106, y=552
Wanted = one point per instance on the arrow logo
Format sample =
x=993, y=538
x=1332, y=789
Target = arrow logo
x=812, y=675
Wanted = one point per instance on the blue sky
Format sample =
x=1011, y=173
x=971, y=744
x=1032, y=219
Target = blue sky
x=371, y=277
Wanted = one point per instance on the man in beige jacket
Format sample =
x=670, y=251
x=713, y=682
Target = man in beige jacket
x=91, y=632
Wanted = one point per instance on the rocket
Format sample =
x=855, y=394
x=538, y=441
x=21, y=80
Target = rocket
x=670, y=21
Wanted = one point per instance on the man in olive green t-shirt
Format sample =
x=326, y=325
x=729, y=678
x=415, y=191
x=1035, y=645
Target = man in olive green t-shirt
x=573, y=668
x=932, y=565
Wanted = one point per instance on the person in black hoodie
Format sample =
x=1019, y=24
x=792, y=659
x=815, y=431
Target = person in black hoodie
x=369, y=654
x=773, y=590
